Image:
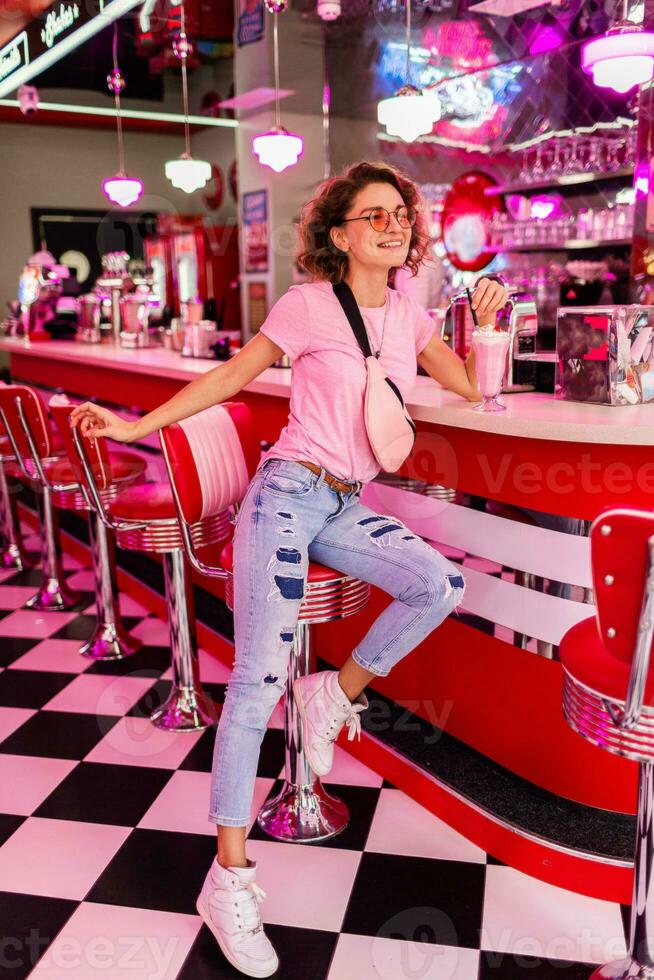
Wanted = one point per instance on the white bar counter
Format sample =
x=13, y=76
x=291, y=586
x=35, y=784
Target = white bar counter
x=529, y=414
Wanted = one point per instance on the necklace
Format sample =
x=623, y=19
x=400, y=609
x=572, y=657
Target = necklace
x=381, y=342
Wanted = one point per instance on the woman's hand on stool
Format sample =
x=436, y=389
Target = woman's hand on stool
x=94, y=421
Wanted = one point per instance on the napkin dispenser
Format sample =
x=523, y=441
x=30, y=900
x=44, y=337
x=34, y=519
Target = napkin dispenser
x=605, y=354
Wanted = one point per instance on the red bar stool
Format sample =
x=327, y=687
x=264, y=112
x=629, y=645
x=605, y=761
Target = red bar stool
x=211, y=458
x=110, y=639
x=608, y=695
x=144, y=519
x=12, y=550
x=34, y=447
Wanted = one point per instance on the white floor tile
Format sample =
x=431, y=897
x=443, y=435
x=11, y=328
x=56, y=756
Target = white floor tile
x=402, y=826
x=523, y=915
x=379, y=958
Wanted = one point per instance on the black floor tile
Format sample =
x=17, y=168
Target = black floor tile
x=31, y=576
x=31, y=688
x=493, y=860
x=129, y=622
x=361, y=802
x=149, y=661
x=304, y=954
x=58, y=734
x=271, y=758
x=13, y=647
x=80, y=628
x=403, y=897
x=505, y=966
x=200, y=757
x=103, y=793
x=9, y=822
x=156, y=869
x=28, y=924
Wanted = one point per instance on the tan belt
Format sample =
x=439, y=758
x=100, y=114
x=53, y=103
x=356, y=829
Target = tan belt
x=332, y=481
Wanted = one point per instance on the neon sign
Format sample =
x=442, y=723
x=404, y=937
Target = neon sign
x=53, y=34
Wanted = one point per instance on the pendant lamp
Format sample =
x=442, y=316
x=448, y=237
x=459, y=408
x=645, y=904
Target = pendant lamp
x=277, y=149
x=121, y=189
x=621, y=58
x=185, y=172
x=409, y=113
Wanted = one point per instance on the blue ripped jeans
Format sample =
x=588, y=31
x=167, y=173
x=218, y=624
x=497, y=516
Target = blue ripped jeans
x=289, y=516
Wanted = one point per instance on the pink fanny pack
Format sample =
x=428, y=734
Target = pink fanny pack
x=389, y=426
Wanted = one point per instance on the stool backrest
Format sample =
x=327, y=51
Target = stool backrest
x=17, y=399
x=620, y=555
x=97, y=454
x=211, y=458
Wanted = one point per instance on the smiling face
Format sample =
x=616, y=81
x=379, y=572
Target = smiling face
x=358, y=239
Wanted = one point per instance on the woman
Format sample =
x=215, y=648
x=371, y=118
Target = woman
x=361, y=226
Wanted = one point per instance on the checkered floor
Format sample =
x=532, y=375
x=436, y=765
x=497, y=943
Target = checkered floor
x=105, y=841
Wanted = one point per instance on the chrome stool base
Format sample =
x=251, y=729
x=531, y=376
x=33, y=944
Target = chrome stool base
x=303, y=814
x=626, y=969
x=53, y=593
x=15, y=557
x=186, y=710
x=110, y=643
x=53, y=596
x=110, y=640
x=12, y=554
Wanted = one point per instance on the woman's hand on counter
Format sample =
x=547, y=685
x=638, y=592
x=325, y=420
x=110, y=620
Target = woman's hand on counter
x=94, y=421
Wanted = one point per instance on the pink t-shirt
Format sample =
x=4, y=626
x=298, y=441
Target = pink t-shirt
x=326, y=423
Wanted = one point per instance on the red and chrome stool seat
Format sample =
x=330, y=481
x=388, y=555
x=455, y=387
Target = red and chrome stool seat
x=211, y=459
x=592, y=679
x=608, y=695
x=152, y=509
x=328, y=594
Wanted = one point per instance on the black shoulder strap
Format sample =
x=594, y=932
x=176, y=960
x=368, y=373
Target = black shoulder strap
x=351, y=309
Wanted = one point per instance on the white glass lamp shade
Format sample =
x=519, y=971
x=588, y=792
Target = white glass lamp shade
x=409, y=114
x=622, y=58
x=188, y=174
x=122, y=190
x=278, y=149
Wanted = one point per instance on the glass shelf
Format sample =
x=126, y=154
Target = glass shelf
x=563, y=181
x=570, y=244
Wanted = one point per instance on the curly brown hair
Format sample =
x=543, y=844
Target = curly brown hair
x=318, y=254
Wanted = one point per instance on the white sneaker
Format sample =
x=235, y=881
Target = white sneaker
x=324, y=708
x=229, y=905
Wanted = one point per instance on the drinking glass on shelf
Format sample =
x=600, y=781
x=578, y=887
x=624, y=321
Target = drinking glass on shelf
x=583, y=229
x=571, y=165
x=525, y=173
x=555, y=168
x=613, y=154
x=631, y=143
x=594, y=161
x=538, y=170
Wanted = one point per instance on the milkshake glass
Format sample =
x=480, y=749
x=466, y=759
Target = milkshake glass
x=491, y=348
